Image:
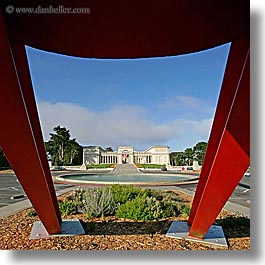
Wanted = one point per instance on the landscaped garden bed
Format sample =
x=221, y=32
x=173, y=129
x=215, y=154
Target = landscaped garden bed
x=121, y=218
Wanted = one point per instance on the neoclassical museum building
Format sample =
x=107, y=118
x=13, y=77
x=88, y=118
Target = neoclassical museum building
x=126, y=154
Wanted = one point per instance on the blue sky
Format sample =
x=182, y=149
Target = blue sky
x=139, y=102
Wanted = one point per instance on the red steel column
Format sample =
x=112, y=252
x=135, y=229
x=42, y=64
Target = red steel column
x=235, y=64
x=21, y=62
x=231, y=160
x=18, y=141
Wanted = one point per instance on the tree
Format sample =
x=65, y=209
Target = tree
x=109, y=149
x=186, y=158
x=199, y=151
x=74, y=152
x=177, y=158
x=188, y=153
x=61, y=148
x=3, y=161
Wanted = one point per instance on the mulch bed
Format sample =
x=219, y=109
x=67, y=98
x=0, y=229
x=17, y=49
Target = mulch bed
x=112, y=233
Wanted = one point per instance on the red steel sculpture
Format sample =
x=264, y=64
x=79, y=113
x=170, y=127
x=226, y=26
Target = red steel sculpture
x=122, y=29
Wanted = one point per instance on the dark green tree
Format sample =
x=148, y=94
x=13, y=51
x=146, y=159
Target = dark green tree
x=61, y=148
x=109, y=149
x=3, y=161
x=177, y=158
x=199, y=151
x=186, y=158
x=188, y=153
x=74, y=153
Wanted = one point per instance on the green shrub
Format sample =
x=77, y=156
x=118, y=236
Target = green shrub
x=146, y=208
x=126, y=201
x=99, y=202
x=147, y=204
x=136, y=209
x=124, y=193
x=169, y=196
x=170, y=203
x=67, y=207
x=155, y=206
x=32, y=213
x=185, y=211
x=77, y=196
x=171, y=209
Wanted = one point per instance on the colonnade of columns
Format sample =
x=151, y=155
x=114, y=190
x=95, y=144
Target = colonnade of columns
x=143, y=159
x=113, y=159
x=108, y=159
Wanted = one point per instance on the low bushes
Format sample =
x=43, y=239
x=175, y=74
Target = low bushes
x=125, y=193
x=154, y=166
x=124, y=201
x=95, y=166
x=67, y=207
x=99, y=202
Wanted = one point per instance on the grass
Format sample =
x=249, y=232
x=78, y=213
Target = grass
x=91, y=166
x=150, y=166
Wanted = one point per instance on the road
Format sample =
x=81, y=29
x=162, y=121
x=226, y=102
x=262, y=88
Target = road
x=11, y=191
x=241, y=194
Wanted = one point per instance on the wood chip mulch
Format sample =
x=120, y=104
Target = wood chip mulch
x=111, y=234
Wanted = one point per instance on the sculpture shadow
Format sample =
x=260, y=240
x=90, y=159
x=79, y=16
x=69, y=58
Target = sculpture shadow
x=114, y=227
x=233, y=228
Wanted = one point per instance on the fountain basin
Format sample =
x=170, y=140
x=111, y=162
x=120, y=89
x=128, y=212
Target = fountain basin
x=135, y=179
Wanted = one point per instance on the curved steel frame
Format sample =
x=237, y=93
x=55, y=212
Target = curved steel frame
x=227, y=156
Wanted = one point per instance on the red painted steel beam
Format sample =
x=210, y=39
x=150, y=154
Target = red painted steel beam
x=235, y=64
x=230, y=162
x=21, y=63
x=17, y=139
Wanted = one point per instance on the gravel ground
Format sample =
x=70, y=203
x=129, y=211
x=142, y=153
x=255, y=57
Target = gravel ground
x=112, y=234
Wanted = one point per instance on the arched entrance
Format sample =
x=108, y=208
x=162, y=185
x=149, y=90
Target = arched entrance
x=125, y=156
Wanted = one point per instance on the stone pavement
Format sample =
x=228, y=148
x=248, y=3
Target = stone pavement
x=126, y=169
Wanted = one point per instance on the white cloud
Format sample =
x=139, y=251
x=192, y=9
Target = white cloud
x=119, y=125
x=116, y=126
x=186, y=104
x=200, y=128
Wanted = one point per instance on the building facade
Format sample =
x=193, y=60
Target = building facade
x=126, y=154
